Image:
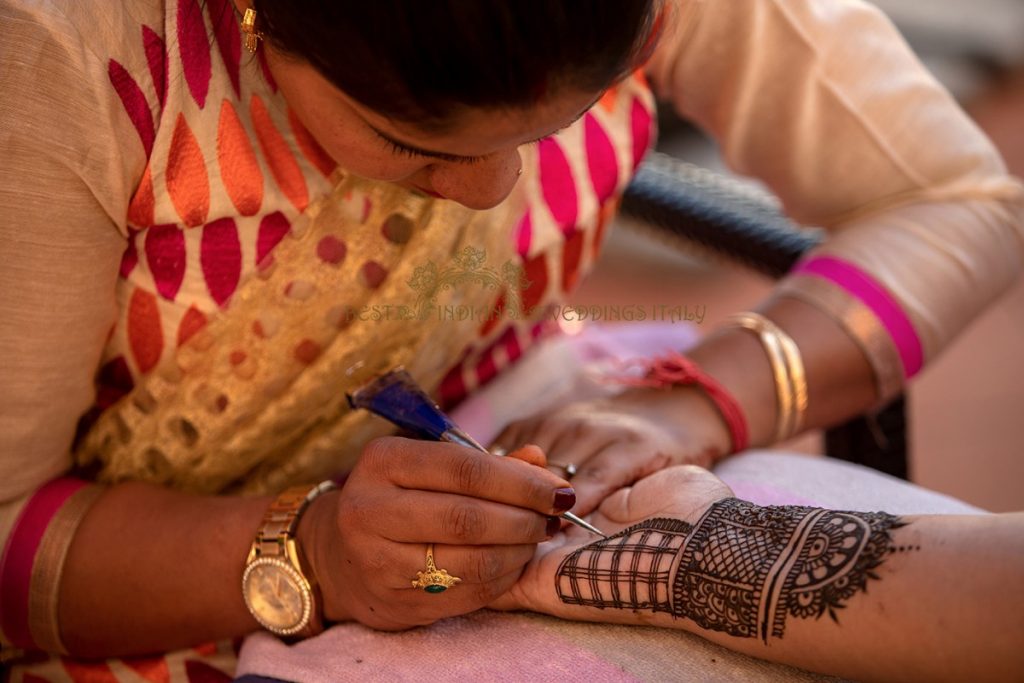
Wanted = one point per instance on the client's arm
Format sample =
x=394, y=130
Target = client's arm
x=868, y=595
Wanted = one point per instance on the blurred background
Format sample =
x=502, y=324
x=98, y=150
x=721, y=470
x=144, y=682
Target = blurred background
x=966, y=414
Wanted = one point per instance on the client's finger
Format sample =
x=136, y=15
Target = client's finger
x=530, y=454
x=613, y=466
x=683, y=492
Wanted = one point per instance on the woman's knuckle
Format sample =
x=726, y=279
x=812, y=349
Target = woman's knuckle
x=471, y=473
x=355, y=513
x=487, y=566
x=376, y=562
x=349, y=514
x=375, y=449
x=378, y=456
x=464, y=522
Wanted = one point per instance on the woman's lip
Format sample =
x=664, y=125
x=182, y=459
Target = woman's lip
x=430, y=192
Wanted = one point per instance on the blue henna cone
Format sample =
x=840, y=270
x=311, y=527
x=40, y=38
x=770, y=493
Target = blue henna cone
x=396, y=397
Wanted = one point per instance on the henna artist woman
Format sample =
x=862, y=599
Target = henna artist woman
x=865, y=595
x=198, y=200
x=192, y=232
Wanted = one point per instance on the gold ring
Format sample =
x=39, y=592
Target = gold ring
x=570, y=468
x=434, y=580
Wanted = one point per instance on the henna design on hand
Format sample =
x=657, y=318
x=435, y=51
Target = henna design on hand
x=741, y=570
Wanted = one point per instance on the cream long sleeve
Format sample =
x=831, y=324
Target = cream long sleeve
x=68, y=164
x=825, y=102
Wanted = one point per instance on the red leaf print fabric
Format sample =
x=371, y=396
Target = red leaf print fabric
x=194, y=50
x=273, y=228
x=640, y=123
x=557, y=184
x=221, y=258
x=165, y=254
x=134, y=102
x=156, y=57
x=229, y=40
x=601, y=161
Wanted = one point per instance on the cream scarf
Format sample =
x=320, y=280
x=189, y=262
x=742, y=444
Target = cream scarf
x=255, y=401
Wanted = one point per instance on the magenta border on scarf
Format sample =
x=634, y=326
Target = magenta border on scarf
x=862, y=286
x=20, y=554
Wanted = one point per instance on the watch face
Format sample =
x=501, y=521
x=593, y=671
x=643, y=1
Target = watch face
x=276, y=595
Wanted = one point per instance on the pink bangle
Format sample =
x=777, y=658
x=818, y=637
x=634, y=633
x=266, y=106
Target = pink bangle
x=33, y=556
x=862, y=286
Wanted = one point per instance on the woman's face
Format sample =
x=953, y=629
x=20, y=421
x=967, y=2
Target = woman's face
x=474, y=161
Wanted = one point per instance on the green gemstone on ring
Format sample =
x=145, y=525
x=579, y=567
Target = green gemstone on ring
x=435, y=588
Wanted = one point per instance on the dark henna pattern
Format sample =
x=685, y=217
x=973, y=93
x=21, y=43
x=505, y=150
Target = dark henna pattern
x=629, y=570
x=741, y=570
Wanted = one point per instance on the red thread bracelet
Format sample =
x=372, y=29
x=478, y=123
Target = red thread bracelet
x=675, y=369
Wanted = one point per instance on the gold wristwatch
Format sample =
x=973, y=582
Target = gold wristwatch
x=276, y=584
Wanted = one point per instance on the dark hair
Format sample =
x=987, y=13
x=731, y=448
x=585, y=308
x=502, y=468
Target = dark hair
x=422, y=60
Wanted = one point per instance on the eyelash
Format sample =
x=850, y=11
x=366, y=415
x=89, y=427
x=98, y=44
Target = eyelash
x=403, y=151
x=408, y=153
x=399, y=150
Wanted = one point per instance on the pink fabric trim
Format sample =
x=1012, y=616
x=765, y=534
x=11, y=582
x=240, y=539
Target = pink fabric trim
x=20, y=554
x=882, y=304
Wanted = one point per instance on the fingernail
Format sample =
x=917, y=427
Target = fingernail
x=564, y=499
x=554, y=524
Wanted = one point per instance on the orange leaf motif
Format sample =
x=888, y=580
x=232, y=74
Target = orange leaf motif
x=145, y=336
x=187, y=181
x=239, y=169
x=278, y=155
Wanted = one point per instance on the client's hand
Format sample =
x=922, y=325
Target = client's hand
x=485, y=516
x=613, y=442
x=679, y=493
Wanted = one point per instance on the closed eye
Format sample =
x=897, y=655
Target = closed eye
x=401, y=149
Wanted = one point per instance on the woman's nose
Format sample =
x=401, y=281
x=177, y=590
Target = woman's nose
x=479, y=185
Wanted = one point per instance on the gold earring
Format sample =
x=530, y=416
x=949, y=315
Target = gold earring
x=252, y=36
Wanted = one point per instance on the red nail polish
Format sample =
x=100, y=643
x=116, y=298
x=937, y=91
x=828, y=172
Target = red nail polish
x=564, y=499
x=554, y=524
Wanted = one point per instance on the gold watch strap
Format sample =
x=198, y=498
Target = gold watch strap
x=282, y=518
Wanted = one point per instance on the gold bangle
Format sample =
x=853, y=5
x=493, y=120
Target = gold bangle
x=858, y=321
x=787, y=369
x=48, y=568
x=798, y=381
